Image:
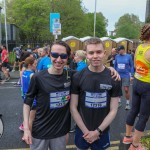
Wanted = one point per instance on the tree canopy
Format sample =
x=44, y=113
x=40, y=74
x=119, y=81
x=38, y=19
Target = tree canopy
x=128, y=26
x=32, y=19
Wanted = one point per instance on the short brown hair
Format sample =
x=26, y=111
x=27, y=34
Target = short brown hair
x=93, y=40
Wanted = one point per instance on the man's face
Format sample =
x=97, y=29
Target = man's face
x=95, y=54
x=58, y=56
x=121, y=51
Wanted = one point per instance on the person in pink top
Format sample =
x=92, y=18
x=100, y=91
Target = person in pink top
x=4, y=63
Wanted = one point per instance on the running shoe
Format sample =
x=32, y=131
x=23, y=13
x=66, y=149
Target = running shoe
x=127, y=140
x=7, y=79
x=21, y=127
x=17, y=84
x=140, y=147
x=127, y=107
x=119, y=104
x=13, y=70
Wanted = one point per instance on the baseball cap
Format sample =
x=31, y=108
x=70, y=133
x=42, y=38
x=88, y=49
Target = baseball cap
x=120, y=47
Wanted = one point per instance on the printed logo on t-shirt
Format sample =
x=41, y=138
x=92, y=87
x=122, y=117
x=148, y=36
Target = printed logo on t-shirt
x=59, y=99
x=105, y=86
x=67, y=84
x=121, y=66
x=96, y=100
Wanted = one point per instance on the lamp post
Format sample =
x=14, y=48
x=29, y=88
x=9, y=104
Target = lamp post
x=5, y=23
x=95, y=18
x=0, y=27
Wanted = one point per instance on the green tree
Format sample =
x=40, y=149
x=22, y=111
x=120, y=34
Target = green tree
x=128, y=26
x=32, y=18
x=101, y=24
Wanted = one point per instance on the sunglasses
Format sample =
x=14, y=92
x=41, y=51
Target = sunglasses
x=56, y=55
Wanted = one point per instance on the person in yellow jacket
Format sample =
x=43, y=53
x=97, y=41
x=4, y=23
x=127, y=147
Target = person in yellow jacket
x=140, y=94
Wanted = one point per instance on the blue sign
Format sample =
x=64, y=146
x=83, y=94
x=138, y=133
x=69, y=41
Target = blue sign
x=54, y=18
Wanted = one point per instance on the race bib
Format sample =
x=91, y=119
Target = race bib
x=96, y=100
x=59, y=99
x=121, y=66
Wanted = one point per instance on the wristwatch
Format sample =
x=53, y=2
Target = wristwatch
x=100, y=131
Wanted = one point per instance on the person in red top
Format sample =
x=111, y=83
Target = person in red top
x=4, y=59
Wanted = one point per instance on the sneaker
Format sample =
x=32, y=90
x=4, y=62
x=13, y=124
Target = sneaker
x=17, y=85
x=140, y=147
x=127, y=140
x=127, y=107
x=119, y=104
x=21, y=127
x=7, y=79
x=13, y=70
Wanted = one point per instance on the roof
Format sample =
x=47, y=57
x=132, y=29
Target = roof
x=106, y=38
x=117, y=40
x=70, y=38
x=85, y=38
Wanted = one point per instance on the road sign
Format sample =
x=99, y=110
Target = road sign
x=54, y=18
x=57, y=29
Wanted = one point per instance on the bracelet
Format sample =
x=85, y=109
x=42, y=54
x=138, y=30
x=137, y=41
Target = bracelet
x=99, y=130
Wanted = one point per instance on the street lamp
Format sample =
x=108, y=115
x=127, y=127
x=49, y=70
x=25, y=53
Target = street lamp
x=95, y=18
x=0, y=27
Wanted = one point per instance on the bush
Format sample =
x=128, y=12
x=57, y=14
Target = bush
x=146, y=142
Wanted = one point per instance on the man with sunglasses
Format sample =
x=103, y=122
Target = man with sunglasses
x=94, y=99
x=52, y=90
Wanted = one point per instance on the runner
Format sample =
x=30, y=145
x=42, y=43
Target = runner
x=140, y=94
x=94, y=99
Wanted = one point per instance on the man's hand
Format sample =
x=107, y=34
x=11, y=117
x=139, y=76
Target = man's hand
x=114, y=73
x=91, y=136
x=27, y=136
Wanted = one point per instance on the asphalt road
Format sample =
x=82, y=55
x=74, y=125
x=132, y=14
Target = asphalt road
x=11, y=110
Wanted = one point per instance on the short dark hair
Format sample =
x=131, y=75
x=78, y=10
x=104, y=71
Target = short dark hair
x=93, y=40
x=62, y=43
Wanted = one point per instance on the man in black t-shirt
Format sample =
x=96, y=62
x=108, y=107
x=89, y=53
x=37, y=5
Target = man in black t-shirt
x=111, y=58
x=94, y=99
x=51, y=87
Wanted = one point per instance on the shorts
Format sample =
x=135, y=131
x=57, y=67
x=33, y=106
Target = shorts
x=100, y=144
x=5, y=64
x=125, y=81
x=54, y=144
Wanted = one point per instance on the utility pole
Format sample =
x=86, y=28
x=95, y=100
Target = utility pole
x=95, y=18
x=5, y=23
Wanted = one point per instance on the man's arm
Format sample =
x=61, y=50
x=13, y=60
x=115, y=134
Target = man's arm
x=27, y=134
x=94, y=135
x=75, y=114
x=111, y=115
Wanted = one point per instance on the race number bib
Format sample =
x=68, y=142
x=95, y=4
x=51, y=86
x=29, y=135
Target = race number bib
x=121, y=66
x=59, y=99
x=96, y=100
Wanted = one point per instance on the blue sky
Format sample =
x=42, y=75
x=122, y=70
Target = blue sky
x=114, y=9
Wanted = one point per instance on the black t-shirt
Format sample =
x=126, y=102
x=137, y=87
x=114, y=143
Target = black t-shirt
x=95, y=91
x=52, y=107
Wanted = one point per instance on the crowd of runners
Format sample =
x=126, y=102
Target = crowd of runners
x=57, y=84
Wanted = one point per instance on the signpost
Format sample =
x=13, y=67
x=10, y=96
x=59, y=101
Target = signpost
x=55, y=25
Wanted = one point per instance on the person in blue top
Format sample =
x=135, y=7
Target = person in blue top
x=30, y=67
x=80, y=57
x=45, y=61
x=124, y=66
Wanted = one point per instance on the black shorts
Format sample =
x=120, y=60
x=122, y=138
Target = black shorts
x=5, y=64
x=17, y=59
